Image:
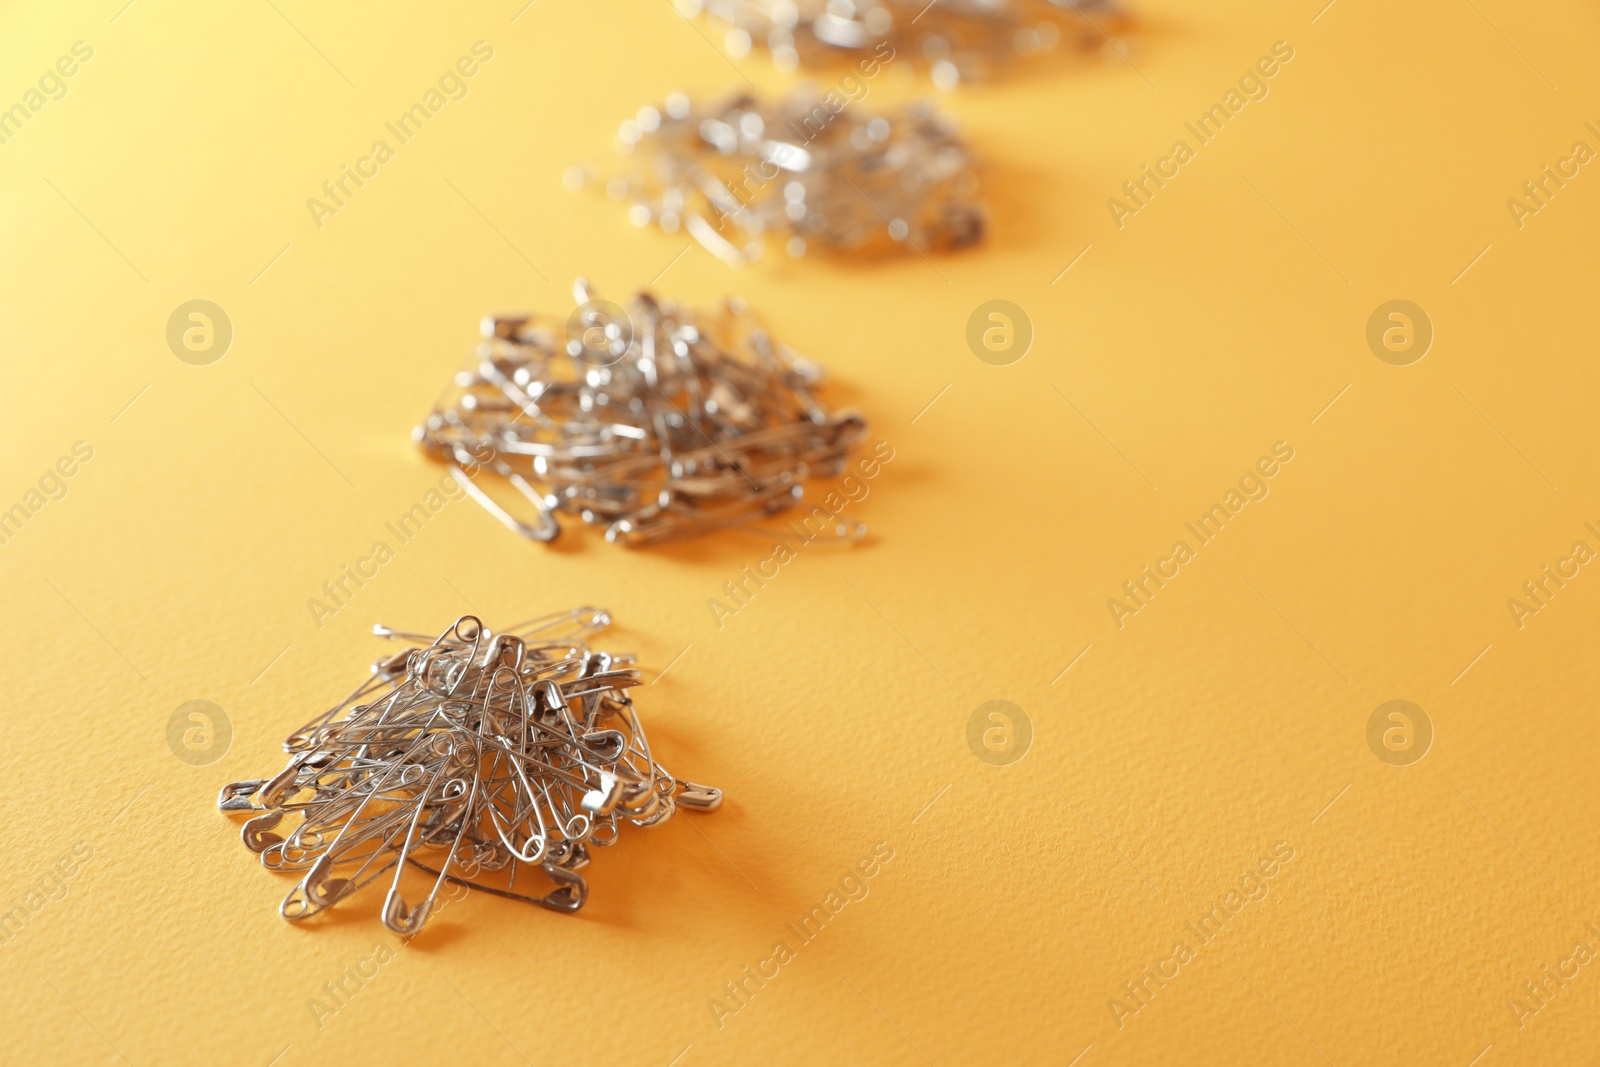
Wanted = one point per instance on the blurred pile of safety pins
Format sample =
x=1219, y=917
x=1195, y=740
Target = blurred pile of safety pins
x=810, y=170
x=958, y=40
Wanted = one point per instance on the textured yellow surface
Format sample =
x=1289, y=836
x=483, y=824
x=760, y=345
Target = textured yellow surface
x=1174, y=748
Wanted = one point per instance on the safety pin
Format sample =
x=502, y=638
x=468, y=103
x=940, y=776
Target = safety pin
x=545, y=527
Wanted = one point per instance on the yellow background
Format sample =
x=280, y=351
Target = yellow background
x=1226, y=716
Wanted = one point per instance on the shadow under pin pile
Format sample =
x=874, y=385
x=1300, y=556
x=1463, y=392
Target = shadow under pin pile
x=474, y=760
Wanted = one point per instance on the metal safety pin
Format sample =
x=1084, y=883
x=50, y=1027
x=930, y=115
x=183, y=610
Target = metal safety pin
x=544, y=527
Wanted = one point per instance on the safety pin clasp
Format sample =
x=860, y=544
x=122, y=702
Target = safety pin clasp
x=697, y=797
x=570, y=893
x=235, y=796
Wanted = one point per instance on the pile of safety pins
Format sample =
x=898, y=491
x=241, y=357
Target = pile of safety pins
x=469, y=761
x=959, y=40
x=814, y=170
x=655, y=422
